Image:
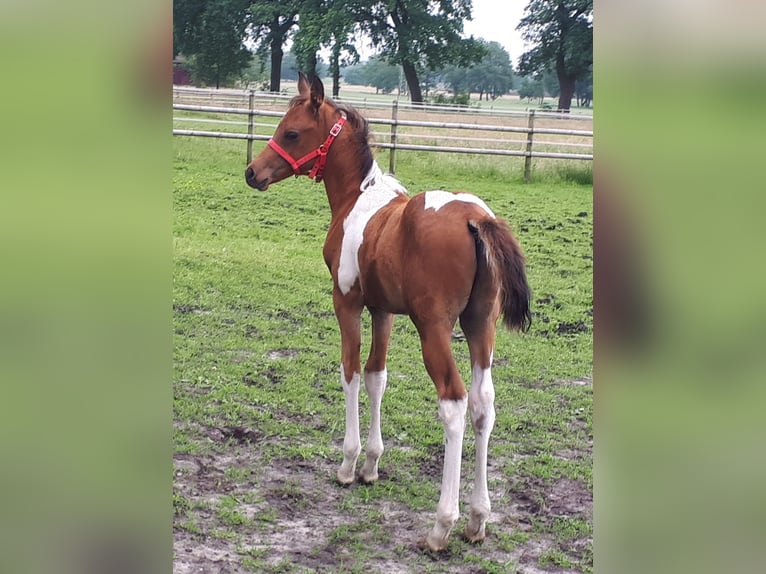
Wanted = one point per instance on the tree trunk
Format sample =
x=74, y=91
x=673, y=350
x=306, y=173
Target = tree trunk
x=411, y=75
x=566, y=92
x=276, y=60
x=335, y=81
x=311, y=65
x=335, y=67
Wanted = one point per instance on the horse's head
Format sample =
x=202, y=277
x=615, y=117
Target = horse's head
x=298, y=142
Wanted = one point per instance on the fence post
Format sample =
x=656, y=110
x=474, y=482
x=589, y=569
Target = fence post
x=392, y=154
x=250, y=118
x=528, y=158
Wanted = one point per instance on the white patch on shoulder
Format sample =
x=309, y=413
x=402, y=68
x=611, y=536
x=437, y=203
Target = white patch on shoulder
x=378, y=189
x=437, y=199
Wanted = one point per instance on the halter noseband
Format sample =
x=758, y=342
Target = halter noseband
x=317, y=171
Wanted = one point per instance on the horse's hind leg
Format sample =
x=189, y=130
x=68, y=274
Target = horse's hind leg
x=479, y=329
x=375, y=378
x=440, y=364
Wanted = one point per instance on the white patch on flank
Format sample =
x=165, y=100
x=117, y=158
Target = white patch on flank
x=437, y=199
x=378, y=190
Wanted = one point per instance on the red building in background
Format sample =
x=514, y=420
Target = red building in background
x=181, y=75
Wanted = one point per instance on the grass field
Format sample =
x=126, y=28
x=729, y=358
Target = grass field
x=258, y=407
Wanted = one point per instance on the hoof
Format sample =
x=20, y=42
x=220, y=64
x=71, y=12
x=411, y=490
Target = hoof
x=475, y=529
x=345, y=479
x=428, y=545
x=367, y=479
x=473, y=538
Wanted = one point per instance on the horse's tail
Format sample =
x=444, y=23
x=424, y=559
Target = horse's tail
x=499, y=250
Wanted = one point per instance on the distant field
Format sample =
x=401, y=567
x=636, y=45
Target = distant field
x=506, y=102
x=258, y=407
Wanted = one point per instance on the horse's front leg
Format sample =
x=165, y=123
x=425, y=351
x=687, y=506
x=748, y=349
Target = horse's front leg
x=348, y=311
x=375, y=378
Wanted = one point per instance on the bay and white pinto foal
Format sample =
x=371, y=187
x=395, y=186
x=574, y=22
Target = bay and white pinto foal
x=437, y=257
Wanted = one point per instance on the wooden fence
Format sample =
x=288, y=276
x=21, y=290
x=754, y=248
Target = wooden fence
x=251, y=116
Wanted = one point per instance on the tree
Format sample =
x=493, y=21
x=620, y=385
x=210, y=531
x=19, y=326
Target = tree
x=561, y=32
x=341, y=21
x=272, y=22
x=551, y=84
x=187, y=15
x=531, y=88
x=584, y=90
x=415, y=33
x=211, y=32
x=377, y=73
x=383, y=76
x=319, y=23
x=329, y=23
x=254, y=75
x=310, y=35
x=354, y=75
x=289, y=69
x=493, y=75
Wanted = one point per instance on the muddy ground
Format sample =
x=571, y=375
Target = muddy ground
x=291, y=516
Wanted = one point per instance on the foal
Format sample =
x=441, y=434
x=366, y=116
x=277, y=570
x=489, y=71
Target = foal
x=437, y=257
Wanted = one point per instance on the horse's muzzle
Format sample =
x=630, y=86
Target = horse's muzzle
x=252, y=181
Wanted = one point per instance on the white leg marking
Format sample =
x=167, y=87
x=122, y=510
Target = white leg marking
x=351, y=443
x=375, y=383
x=481, y=399
x=452, y=414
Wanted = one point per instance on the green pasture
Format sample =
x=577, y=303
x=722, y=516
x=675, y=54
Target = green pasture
x=256, y=378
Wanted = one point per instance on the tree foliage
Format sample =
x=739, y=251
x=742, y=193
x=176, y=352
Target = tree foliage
x=492, y=76
x=312, y=25
x=376, y=72
x=561, y=32
x=531, y=89
x=211, y=33
x=421, y=33
x=342, y=22
x=330, y=24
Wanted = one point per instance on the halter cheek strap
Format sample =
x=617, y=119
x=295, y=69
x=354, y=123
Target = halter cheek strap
x=317, y=171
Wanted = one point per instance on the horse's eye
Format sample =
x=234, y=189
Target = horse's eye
x=291, y=135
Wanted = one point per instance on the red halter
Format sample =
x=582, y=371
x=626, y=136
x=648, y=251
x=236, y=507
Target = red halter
x=317, y=171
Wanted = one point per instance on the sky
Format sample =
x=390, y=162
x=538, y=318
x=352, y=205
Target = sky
x=496, y=20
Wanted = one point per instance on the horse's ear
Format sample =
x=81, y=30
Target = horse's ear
x=304, y=88
x=317, y=92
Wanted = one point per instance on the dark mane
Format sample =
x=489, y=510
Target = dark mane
x=361, y=132
x=361, y=136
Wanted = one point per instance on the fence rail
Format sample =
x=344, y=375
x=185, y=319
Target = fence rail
x=408, y=131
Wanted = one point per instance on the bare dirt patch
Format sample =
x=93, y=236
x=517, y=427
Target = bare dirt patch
x=238, y=512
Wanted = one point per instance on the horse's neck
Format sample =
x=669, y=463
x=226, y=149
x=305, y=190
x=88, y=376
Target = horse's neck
x=345, y=189
x=342, y=194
